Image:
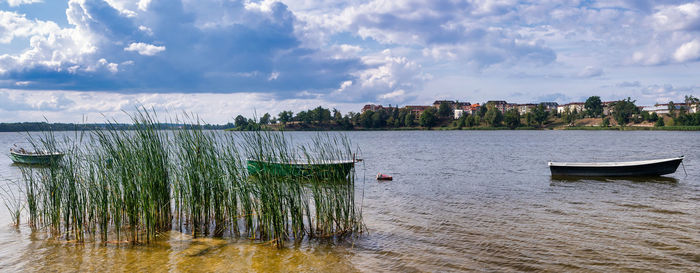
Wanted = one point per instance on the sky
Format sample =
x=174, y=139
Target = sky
x=87, y=60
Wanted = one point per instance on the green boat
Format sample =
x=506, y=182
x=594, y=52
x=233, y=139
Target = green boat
x=324, y=169
x=35, y=158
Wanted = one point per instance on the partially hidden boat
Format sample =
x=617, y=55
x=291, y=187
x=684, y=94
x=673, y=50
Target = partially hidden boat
x=313, y=169
x=654, y=167
x=21, y=156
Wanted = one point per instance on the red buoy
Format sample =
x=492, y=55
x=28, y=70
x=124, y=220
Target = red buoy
x=381, y=176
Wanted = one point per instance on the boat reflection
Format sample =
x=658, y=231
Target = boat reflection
x=636, y=179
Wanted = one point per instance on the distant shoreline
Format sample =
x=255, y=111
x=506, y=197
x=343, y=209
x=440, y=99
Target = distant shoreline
x=66, y=127
x=62, y=127
x=580, y=128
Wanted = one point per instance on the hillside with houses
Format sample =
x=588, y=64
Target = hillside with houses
x=494, y=114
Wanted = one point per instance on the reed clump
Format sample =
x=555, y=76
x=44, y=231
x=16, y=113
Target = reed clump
x=114, y=184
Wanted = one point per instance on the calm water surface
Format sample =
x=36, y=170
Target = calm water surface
x=460, y=201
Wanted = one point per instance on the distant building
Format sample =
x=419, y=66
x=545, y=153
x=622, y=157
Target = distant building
x=458, y=113
x=661, y=108
x=437, y=103
x=451, y=103
x=374, y=107
x=501, y=105
x=471, y=109
x=416, y=109
x=608, y=107
x=371, y=107
x=525, y=108
x=573, y=106
x=550, y=106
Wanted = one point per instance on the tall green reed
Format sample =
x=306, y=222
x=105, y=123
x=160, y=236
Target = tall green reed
x=12, y=199
x=135, y=184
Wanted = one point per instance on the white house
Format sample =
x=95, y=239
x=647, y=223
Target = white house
x=525, y=108
x=658, y=109
x=578, y=106
x=458, y=113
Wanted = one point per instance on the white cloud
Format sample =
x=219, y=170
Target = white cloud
x=392, y=95
x=273, y=76
x=662, y=93
x=143, y=4
x=14, y=25
x=146, y=30
x=31, y=101
x=317, y=47
x=590, y=72
x=49, y=45
x=71, y=106
x=112, y=67
x=689, y=51
x=145, y=49
x=14, y=3
x=672, y=36
x=681, y=17
x=389, y=77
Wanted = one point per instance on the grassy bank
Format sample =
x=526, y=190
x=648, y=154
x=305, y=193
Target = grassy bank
x=635, y=128
x=488, y=128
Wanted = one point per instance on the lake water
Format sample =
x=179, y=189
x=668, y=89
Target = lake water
x=460, y=201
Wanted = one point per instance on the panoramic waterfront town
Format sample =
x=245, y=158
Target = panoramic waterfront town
x=349, y=136
x=465, y=108
x=495, y=114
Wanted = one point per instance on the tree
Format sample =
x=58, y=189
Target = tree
x=540, y=114
x=690, y=100
x=493, y=117
x=346, y=123
x=378, y=119
x=408, y=120
x=337, y=116
x=659, y=123
x=285, y=116
x=265, y=119
x=354, y=117
x=365, y=119
x=428, y=118
x=671, y=108
x=476, y=120
x=240, y=122
x=401, y=116
x=397, y=122
x=304, y=117
x=512, y=118
x=606, y=122
x=624, y=110
x=482, y=110
x=569, y=117
x=653, y=117
x=445, y=109
x=320, y=114
x=528, y=119
x=594, y=107
x=462, y=122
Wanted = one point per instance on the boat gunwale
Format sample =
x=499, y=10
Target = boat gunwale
x=327, y=162
x=613, y=164
x=37, y=155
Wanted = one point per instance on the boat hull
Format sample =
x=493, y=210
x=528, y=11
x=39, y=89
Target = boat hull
x=650, y=169
x=310, y=170
x=35, y=159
